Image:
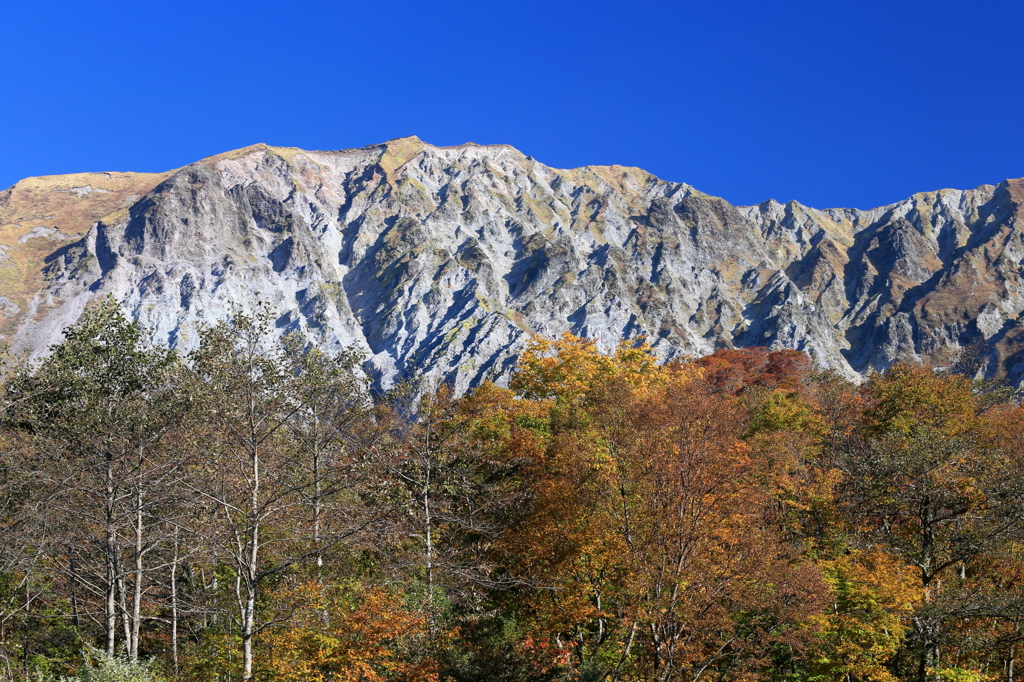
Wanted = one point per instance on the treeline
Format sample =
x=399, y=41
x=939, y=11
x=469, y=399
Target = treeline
x=254, y=511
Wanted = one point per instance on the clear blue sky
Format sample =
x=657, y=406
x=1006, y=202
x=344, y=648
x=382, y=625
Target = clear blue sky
x=830, y=102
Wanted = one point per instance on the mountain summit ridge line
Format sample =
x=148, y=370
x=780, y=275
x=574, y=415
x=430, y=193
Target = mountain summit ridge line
x=446, y=260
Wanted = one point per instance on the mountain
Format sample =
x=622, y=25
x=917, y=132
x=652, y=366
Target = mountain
x=447, y=259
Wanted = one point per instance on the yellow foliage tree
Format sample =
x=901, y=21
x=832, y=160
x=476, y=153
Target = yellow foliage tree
x=874, y=596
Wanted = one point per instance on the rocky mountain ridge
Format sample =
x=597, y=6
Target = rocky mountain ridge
x=446, y=260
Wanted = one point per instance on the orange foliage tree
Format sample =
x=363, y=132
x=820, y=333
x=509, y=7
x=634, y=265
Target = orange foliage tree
x=345, y=631
x=648, y=524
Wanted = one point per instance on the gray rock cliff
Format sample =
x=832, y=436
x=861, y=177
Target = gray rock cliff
x=446, y=260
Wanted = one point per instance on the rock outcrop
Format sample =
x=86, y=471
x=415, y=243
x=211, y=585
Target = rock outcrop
x=445, y=260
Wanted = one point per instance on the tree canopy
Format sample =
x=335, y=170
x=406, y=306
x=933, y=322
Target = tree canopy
x=255, y=511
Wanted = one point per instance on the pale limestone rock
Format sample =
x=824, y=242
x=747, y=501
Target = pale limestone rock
x=446, y=260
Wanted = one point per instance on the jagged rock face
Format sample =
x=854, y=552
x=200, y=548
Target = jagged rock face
x=446, y=260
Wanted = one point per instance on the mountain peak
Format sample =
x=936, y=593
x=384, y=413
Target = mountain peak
x=409, y=139
x=398, y=151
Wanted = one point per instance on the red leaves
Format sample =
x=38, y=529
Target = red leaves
x=734, y=370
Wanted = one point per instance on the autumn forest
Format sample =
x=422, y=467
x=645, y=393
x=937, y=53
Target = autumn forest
x=255, y=510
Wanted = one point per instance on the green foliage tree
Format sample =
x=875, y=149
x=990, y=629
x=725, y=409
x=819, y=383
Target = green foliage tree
x=102, y=408
x=99, y=666
x=273, y=452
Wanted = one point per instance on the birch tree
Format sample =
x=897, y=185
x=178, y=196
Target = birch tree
x=102, y=407
x=272, y=427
